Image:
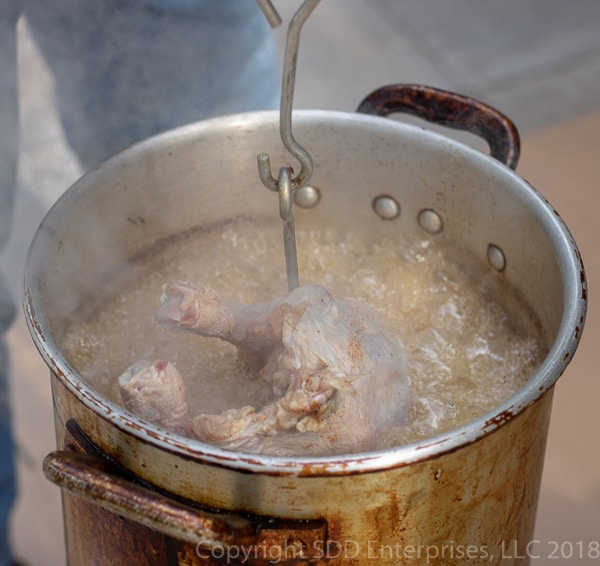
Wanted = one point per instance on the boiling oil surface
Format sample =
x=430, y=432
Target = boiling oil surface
x=470, y=343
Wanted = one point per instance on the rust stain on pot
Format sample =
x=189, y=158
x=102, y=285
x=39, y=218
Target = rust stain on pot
x=583, y=286
x=499, y=419
x=582, y=277
x=317, y=470
x=116, y=500
x=35, y=323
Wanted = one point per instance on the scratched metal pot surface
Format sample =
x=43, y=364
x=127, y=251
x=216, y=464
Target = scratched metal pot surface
x=135, y=494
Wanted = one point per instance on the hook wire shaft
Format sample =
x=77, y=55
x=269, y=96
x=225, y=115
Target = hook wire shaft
x=289, y=230
x=270, y=12
x=287, y=92
x=285, y=184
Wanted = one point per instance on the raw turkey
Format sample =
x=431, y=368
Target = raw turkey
x=338, y=379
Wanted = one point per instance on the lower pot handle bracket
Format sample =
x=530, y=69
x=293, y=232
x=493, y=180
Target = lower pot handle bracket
x=449, y=109
x=94, y=478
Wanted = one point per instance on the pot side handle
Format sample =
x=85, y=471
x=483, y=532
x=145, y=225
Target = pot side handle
x=94, y=479
x=449, y=109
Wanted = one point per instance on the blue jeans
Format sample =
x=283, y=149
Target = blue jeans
x=8, y=172
x=7, y=466
x=130, y=69
x=123, y=71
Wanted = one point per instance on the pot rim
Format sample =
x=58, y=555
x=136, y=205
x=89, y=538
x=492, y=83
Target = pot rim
x=542, y=380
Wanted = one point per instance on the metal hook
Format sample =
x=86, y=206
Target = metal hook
x=287, y=96
x=289, y=230
x=270, y=12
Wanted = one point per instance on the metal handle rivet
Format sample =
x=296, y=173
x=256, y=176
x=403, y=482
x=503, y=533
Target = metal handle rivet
x=430, y=221
x=386, y=207
x=307, y=196
x=496, y=257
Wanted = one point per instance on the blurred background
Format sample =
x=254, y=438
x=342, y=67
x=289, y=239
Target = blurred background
x=538, y=61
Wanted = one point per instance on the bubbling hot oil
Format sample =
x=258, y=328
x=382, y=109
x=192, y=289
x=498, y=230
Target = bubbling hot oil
x=470, y=343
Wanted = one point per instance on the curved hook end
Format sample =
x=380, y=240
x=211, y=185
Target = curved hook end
x=264, y=171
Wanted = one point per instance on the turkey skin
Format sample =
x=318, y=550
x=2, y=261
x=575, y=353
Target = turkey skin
x=338, y=380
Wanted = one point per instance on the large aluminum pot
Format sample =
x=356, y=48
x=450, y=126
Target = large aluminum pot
x=135, y=494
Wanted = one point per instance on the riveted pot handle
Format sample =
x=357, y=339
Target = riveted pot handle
x=88, y=477
x=94, y=479
x=449, y=109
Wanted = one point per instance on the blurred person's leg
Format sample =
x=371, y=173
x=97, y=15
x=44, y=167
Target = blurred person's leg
x=9, y=147
x=128, y=69
x=7, y=465
x=124, y=70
